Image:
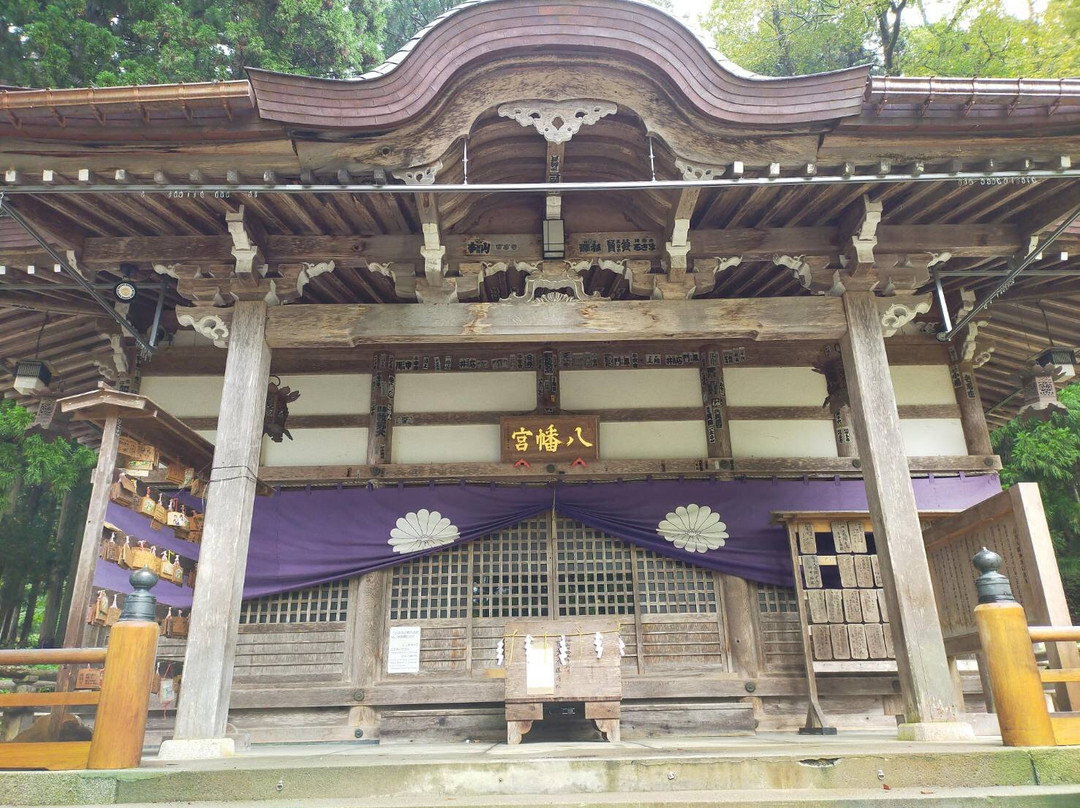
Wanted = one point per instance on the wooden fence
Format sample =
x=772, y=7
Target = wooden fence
x=1012, y=524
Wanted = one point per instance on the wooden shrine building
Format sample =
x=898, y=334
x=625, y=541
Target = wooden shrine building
x=601, y=343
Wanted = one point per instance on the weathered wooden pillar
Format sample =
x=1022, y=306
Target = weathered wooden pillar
x=972, y=417
x=367, y=603
x=100, y=481
x=930, y=708
x=215, y=611
x=738, y=594
x=831, y=365
x=380, y=433
x=548, y=397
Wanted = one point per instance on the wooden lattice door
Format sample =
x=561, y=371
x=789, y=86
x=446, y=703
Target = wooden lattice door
x=670, y=614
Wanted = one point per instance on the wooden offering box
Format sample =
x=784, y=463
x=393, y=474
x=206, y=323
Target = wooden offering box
x=539, y=677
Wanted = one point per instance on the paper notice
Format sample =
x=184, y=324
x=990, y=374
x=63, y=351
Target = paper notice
x=403, y=650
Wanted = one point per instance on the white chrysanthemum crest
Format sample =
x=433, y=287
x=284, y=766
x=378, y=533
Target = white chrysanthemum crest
x=422, y=530
x=694, y=528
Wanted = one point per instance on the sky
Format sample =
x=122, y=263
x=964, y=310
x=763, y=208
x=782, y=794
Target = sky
x=690, y=10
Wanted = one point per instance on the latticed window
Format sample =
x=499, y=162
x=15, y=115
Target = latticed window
x=432, y=587
x=776, y=599
x=671, y=587
x=327, y=603
x=595, y=573
x=510, y=572
x=551, y=566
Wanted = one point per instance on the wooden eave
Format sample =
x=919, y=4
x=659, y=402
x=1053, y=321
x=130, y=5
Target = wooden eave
x=409, y=82
x=675, y=95
x=144, y=421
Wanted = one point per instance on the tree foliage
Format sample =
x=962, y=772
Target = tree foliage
x=405, y=17
x=35, y=474
x=1048, y=453
x=66, y=43
x=909, y=37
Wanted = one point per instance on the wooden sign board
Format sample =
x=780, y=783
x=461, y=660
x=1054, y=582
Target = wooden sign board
x=557, y=438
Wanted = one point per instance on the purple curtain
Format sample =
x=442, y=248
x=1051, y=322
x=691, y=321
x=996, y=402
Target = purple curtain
x=728, y=526
x=305, y=538
x=309, y=537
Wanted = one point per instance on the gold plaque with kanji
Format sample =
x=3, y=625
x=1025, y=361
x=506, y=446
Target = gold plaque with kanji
x=559, y=438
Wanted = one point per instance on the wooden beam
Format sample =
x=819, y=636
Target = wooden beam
x=789, y=467
x=926, y=685
x=215, y=611
x=963, y=241
x=381, y=409
x=1046, y=214
x=47, y=223
x=328, y=326
x=32, y=302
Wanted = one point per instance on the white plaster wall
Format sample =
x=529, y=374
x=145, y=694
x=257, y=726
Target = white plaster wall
x=922, y=384
x=652, y=440
x=317, y=447
x=185, y=396
x=782, y=439
x=630, y=389
x=330, y=394
x=774, y=387
x=933, y=437
x=209, y=434
x=190, y=338
x=473, y=443
x=503, y=391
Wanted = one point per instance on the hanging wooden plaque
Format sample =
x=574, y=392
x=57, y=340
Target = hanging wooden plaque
x=556, y=438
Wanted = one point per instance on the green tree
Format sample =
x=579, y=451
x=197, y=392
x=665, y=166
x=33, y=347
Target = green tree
x=978, y=38
x=65, y=43
x=35, y=551
x=405, y=17
x=792, y=37
x=974, y=37
x=1048, y=453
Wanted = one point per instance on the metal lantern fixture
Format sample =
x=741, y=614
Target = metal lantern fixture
x=278, y=399
x=1039, y=392
x=32, y=377
x=554, y=239
x=1058, y=357
x=1064, y=359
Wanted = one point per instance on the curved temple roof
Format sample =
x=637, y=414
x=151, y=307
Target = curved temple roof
x=484, y=30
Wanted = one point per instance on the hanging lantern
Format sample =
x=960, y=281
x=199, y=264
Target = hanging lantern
x=278, y=399
x=1039, y=392
x=1063, y=358
x=32, y=377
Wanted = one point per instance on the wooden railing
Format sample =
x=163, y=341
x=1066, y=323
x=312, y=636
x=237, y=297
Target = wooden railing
x=1066, y=725
x=123, y=701
x=1016, y=680
x=1013, y=524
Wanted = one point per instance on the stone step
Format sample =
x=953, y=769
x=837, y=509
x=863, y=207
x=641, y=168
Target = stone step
x=991, y=797
x=548, y=773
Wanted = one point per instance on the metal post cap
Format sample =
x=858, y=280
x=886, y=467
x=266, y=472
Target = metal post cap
x=140, y=604
x=991, y=585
